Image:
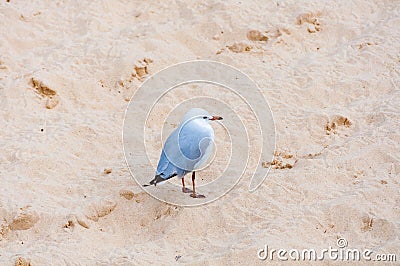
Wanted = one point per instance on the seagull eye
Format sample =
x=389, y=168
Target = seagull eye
x=205, y=117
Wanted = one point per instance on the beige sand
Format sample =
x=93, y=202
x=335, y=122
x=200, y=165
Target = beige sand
x=330, y=71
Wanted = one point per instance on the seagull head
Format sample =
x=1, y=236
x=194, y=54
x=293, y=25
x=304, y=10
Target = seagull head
x=198, y=113
x=212, y=118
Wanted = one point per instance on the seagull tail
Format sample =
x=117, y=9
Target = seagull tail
x=158, y=179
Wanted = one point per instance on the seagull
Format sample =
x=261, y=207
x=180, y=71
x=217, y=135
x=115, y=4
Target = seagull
x=186, y=149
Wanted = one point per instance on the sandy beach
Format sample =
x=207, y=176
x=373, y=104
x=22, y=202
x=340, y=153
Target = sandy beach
x=330, y=71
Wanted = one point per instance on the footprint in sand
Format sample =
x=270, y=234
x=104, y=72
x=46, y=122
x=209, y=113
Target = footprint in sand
x=98, y=209
x=312, y=20
x=20, y=261
x=52, y=98
x=281, y=160
x=336, y=123
x=24, y=221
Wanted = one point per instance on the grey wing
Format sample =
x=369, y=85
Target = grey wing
x=186, y=146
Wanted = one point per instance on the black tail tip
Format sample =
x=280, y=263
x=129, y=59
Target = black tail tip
x=147, y=185
x=157, y=179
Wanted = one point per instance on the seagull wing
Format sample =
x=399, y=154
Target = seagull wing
x=187, y=145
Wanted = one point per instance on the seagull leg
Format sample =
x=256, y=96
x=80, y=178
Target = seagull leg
x=184, y=189
x=194, y=195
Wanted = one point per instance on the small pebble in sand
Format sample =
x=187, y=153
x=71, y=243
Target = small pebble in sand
x=107, y=171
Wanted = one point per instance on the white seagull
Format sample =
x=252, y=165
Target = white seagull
x=186, y=149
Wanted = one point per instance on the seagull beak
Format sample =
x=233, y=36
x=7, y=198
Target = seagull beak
x=216, y=118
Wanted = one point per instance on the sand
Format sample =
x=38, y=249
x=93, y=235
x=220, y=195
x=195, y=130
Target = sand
x=330, y=73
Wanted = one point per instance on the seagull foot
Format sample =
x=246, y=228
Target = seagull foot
x=198, y=196
x=186, y=190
